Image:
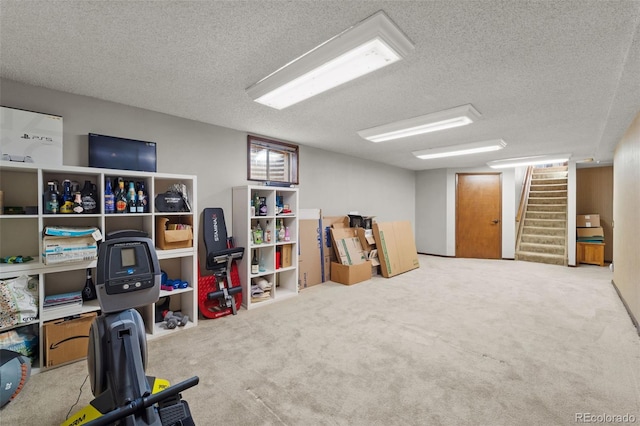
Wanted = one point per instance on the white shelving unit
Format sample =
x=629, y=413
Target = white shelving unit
x=284, y=279
x=24, y=184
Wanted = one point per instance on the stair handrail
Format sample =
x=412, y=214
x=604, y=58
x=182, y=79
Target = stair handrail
x=524, y=196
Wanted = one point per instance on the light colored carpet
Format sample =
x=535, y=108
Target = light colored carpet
x=455, y=342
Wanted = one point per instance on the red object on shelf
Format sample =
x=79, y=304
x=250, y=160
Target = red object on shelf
x=277, y=260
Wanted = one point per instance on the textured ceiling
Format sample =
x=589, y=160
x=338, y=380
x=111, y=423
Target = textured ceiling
x=547, y=76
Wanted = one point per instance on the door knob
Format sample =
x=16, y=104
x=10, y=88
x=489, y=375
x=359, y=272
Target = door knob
x=496, y=221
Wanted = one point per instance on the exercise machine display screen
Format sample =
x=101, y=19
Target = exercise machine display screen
x=128, y=268
x=128, y=257
x=131, y=270
x=127, y=274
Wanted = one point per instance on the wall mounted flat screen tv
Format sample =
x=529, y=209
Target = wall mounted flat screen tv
x=110, y=152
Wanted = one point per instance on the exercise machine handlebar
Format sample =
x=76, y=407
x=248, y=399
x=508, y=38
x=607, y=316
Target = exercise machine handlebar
x=143, y=402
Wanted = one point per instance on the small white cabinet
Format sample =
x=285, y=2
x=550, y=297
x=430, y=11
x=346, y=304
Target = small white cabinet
x=21, y=234
x=278, y=256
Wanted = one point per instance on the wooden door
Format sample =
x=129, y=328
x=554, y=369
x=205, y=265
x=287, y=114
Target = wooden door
x=478, y=215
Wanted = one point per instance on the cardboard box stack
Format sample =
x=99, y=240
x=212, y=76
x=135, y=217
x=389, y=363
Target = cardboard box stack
x=351, y=265
x=588, y=229
x=364, y=230
x=352, y=248
x=62, y=244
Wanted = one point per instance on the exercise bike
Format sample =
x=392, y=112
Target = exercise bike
x=128, y=275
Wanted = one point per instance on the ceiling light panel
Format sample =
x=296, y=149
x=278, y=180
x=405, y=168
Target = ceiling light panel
x=447, y=119
x=368, y=46
x=464, y=149
x=529, y=161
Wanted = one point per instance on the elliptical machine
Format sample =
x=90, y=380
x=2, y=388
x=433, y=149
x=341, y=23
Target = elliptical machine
x=128, y=276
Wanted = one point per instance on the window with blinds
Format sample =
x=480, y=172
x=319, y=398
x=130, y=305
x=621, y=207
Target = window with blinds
x=271, y=161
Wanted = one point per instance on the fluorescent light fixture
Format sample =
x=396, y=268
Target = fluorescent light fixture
x=447, y=119
x=586, y=160
x=367, y=46
x=465, y=149
x=529, y=161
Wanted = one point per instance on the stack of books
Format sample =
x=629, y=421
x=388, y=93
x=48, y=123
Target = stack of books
x=63, y=305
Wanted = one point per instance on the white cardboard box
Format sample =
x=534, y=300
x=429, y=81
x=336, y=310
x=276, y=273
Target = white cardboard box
x=68, y=249
x=30, y=137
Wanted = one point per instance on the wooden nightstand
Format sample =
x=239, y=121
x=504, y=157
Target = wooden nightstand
x=591, y=253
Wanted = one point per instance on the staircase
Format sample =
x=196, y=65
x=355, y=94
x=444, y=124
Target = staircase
x=543, y=237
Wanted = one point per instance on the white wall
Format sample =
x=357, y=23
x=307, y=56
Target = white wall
x=335, y=183
x=339, y=184
x=509, y=210
x=431, y=211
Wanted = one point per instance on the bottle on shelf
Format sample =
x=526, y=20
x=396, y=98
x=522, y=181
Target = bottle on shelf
x=255, y=264
x=89, y=203
x=287, y=235
x=109, y=198
x=256, y=204
x=56, y=188
x=121, y=197
x=131, y=206
x=66, y=204
x=77, y=203
x=263, y=206
x=51, y=204
x=145, y=198
x=89, y=290
x=257, y=234
x=267, y=234
x=281, y=231
x=131, y=198
x=116, y=187
x=261, y=265
x=140, y=202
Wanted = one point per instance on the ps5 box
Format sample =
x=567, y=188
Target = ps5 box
x=30, y=137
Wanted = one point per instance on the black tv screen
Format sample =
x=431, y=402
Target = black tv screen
x=110, y=152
